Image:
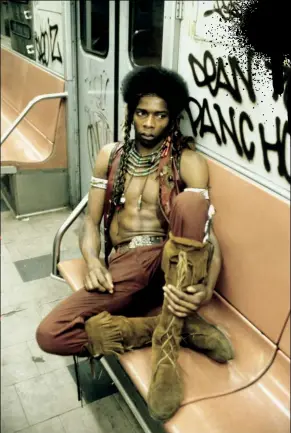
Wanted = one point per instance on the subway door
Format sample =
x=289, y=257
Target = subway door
x=96, y=75
x=140, y=40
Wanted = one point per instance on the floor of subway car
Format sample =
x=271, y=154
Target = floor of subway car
x=38, y=390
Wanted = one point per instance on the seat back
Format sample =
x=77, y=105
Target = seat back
x=13, y=78
x=21, y=81
x=253, y=230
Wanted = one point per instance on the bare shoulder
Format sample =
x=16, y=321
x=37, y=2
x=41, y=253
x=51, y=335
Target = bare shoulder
x=102, y=160
x=194, y=169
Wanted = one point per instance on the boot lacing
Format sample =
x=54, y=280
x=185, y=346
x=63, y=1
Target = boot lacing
x=168, y=347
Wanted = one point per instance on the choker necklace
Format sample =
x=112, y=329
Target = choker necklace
x=142, y=165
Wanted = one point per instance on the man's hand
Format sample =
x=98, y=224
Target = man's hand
x=181, y=304
x=98, y=278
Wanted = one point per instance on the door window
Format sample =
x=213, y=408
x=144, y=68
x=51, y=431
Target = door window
x=5, y=28
x=94, y=23
x=146, y=32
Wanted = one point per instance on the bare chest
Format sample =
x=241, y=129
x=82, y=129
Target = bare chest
x=143, y=189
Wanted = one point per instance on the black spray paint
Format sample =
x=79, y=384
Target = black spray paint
x=47, y=45
x=227, y=10
x=263, y=27
x=227, y=122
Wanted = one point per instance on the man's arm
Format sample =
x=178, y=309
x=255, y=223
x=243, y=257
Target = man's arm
x=89, y=237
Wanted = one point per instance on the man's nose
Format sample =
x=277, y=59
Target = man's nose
x=149, y=121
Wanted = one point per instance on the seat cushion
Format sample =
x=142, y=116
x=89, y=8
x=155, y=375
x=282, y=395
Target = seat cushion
x=203, y=377
x=263, y=407
x=73, y=271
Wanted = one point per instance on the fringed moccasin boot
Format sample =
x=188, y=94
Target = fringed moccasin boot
x=184, y=263
x=200, y=335
x=117, y=334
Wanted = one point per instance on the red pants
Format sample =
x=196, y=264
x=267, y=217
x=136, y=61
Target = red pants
x=137, y=279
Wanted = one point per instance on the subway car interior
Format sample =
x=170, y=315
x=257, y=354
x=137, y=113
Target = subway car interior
x=62, y=68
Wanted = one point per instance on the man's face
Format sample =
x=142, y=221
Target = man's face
x=151, y=120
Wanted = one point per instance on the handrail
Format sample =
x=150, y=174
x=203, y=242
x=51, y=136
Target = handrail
x=28, y=107
x=60, y=233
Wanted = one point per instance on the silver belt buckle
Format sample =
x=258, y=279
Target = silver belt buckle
x=141, y=241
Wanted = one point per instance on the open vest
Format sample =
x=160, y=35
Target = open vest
x=170, y=186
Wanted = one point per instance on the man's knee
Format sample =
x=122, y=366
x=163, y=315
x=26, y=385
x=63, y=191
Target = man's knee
x=189, y=215
x=189, y=202
x=46, y=339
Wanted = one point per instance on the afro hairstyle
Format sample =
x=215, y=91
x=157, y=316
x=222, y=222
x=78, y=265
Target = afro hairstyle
x=154, y=80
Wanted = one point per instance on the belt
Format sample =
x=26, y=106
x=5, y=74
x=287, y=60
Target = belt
x=139, y=241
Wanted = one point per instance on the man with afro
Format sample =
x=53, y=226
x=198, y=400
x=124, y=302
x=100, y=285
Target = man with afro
x=160, y=249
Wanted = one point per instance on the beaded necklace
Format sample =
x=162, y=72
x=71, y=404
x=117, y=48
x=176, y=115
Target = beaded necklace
x=143, y=165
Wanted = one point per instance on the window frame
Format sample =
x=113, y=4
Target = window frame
x=18, y=34
x=88, y=29
x=131, y=5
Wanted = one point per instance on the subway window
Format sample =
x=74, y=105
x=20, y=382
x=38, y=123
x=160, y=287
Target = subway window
x=94, y=25
x=146, y=32
x=5, y=28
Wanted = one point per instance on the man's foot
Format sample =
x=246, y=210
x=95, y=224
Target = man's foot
x=200, y=335
x=109, y=334
x=166, y=390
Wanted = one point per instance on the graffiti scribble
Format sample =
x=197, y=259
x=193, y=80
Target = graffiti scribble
x=226, y=9
x=227, y=123
x=47, y=45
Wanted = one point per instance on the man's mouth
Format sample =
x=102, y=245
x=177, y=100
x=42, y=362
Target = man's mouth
x=147, y=136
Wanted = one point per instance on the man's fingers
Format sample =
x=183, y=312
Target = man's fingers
x=177, y=313
x=110, y=282
x=102, y=279
x=197, y=288
x=109, y=278
x=183, y=301
x=191, y=290
x=105, y=279
x=94, y=279
x=92, y=283
x=181, y=306
x=188, y=297
x=88, y=283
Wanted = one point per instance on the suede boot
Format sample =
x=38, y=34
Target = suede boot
x=200, y=335
x=116, y=334
x=184, y=263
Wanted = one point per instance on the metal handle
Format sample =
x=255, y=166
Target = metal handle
x=62, y=230
x=30, y=49
x=27, y=15
x=28, y=107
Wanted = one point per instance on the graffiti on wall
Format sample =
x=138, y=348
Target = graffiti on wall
x=225, y=9
x=47, y=44
x=98, y=129
x=230, y=125
x=99, y=85
x=48, y=38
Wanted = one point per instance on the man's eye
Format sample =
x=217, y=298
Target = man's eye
x=140, y=113
x=162, y=116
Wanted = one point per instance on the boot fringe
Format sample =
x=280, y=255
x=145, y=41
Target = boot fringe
x=106, y=335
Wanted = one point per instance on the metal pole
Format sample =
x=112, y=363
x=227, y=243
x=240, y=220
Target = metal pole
x=28, y=107
x=62, y=230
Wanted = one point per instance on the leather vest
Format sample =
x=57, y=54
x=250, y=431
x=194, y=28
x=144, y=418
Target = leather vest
x=170, y=186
